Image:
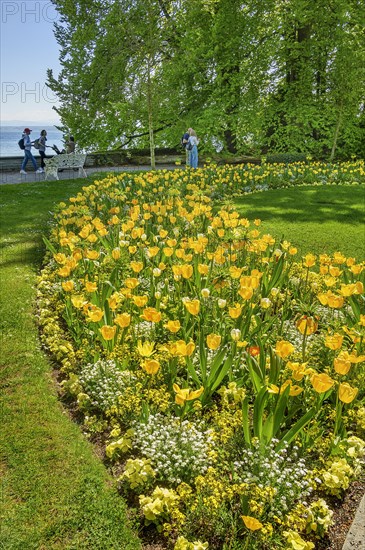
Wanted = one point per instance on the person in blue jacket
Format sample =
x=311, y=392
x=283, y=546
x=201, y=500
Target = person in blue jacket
x=28, y=153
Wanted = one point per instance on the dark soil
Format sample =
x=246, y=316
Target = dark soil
x=343, y=515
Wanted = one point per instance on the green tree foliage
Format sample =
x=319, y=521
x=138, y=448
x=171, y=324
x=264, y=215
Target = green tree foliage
x=279, y=75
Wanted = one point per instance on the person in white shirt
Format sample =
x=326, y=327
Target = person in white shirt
x=194, y=142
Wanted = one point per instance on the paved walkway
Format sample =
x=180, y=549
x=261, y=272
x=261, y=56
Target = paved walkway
x=16, y=177
x=356, y=536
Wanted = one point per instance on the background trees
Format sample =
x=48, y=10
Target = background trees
x=250, y=77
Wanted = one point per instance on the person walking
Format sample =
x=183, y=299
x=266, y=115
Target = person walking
x=42, y=148
x=192, y=144
x=28, y=153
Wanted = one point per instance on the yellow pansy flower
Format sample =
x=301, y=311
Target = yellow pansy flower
x=251, y=523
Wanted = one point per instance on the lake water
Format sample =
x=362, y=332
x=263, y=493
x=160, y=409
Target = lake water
x=10, y=135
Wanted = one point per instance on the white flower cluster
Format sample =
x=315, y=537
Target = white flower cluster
x=179, y=450
x=104, y=383
x=283, y=472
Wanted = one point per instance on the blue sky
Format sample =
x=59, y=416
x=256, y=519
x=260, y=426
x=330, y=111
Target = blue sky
x=28, y=49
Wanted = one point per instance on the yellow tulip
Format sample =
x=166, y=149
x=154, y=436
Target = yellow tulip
x=68, y=286
x=246, y=293
x=140, y=301
x=187, y=271
x=131, y=282
x=147, y=349
x=213, y=341
x=321, y=382
x=108, y=332
x=235, y=312
x=64, y=271
x=333, y=341
x=152, y=251
x=173, y=326
x=95, y=315
x=307, y=325
x=251, y=523
x=309, y=260
x=136, y=266
x=342, y=364
x=92, y=254
x=123, y=320
x=347, y=393
x=283, y=349
x=184, y=394
x=299, y=370
x=90, y=286
x=116, y=253
x=203, y=269
x=193, y=306
x=78, y=301
x=151, y=314
x=235, y=272
x=181, y=349
x=151, y=366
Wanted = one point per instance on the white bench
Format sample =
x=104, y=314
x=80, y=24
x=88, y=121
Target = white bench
x=65, y=162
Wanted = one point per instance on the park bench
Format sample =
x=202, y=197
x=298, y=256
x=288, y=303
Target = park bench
x=65, y=162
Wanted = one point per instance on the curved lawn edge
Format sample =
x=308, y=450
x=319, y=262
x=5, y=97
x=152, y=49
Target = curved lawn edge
x=56, y=494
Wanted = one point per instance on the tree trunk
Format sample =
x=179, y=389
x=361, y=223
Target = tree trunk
x=335, y=137
x=150, y=118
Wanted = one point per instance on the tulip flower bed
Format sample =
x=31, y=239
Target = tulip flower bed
x=224, y=373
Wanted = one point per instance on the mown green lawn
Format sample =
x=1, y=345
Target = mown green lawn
x=314, y=219
x=56, y=494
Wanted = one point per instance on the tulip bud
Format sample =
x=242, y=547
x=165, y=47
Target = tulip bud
x=235, y=334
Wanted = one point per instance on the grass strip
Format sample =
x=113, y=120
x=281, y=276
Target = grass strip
x=56, y=494
x=317, y=219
